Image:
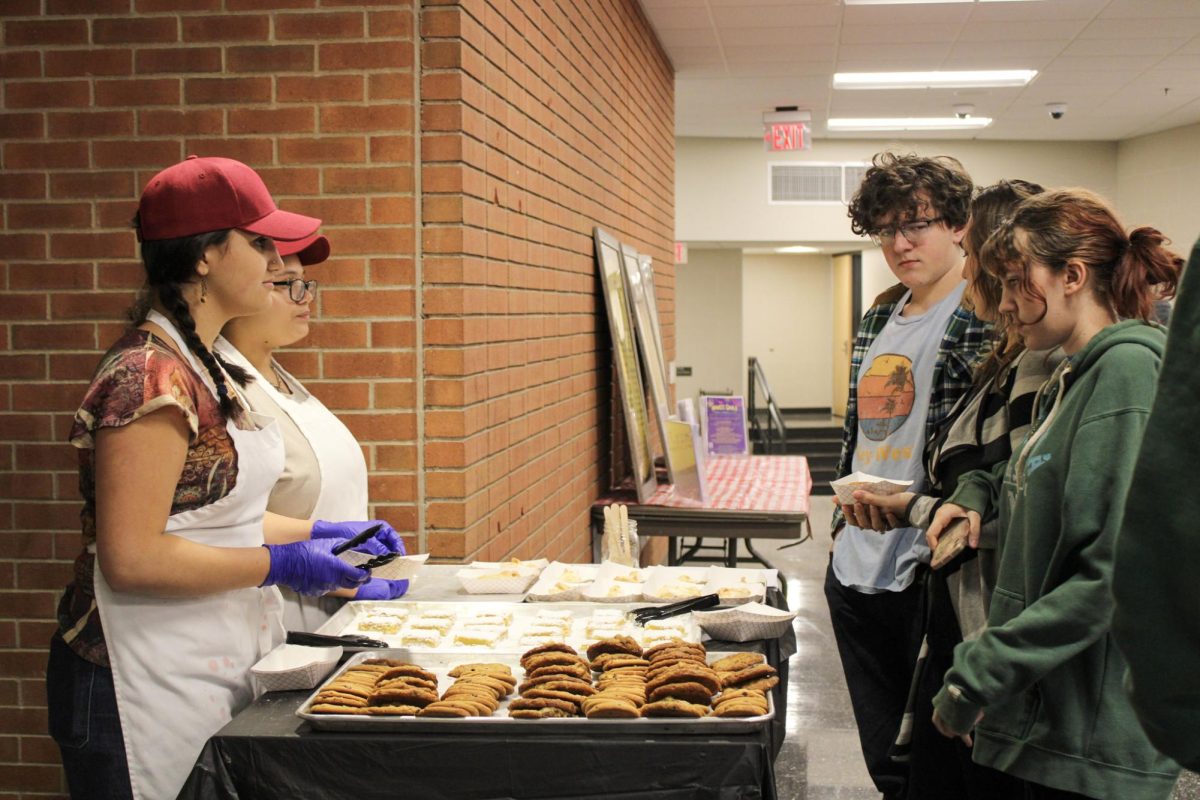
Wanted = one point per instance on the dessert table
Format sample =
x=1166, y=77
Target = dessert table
x=267, y=752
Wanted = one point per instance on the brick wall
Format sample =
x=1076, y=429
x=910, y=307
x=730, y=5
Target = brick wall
x=488, y=423
x=539, y=120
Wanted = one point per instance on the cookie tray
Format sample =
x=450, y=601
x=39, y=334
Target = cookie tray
x=441, y=663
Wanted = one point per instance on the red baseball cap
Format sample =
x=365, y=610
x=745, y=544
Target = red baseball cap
x=311, y=249
x=199, y=195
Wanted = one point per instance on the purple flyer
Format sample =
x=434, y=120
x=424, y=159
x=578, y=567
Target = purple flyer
x=725, y=426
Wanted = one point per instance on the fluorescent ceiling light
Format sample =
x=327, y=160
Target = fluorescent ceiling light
x=906, y=123
x=797, y=248
x=934, y=79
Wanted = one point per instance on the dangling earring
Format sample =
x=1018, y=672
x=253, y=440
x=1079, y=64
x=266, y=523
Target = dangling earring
x=203, y=289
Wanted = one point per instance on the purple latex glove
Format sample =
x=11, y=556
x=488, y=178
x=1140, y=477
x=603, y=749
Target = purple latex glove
x=309, y=567
x=385, y=540
x=379, y=589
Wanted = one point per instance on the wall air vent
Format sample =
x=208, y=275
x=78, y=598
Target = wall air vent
x=813, y=183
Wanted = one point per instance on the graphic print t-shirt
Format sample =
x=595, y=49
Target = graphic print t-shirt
x=894, y=386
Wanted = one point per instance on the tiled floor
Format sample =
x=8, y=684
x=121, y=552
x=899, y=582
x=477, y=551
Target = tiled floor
x=821, y=759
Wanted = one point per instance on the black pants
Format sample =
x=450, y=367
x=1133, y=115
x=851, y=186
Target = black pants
x=85, y=724
x=941, y=768
x=877, y=638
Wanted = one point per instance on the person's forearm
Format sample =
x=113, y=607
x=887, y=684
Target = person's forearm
x=278, y=529
x=178, y=567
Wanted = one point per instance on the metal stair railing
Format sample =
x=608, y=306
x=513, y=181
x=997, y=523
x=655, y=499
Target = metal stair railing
x=774, y=427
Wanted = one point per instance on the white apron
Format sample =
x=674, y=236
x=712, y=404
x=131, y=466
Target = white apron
x=181, y=667
x=343, y=473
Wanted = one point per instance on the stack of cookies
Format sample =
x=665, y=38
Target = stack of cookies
x=679, y=682
x=476, y=692
x=621, y=685
x=557, y=681
x=379, y=687
x=745, y=679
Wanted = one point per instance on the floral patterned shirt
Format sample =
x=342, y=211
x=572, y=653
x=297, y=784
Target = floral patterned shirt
x=139, y=375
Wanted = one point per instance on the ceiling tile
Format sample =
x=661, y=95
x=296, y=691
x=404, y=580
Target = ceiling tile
x=1139, y=9
x=888, y=57
x=1129, y=47
x=1033, y=50
x=1180, y=61
x=679, y=19
x=1032, y=30
x=770, y=16
x=1112, y=63
x=755, y=37
x=805, y=57
x=695, y=57
x=672, y=38
x=1146, y=28
x=907, y=15
x=1056, y=9
x=892, y=34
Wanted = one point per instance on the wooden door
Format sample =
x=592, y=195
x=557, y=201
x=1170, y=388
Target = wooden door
x=844, y=323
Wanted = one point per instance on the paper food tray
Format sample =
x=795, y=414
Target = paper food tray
x=736, y=586
x=525, y=624
x=560, y=581
x=291, y=667
x=745, y=623
x=511, y=578
x=845, y=487
x=440, y=665
x=672, y=584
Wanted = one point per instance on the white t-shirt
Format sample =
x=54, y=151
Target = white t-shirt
x=894, y=386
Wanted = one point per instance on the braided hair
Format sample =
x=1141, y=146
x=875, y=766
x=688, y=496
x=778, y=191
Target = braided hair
x=171, y=263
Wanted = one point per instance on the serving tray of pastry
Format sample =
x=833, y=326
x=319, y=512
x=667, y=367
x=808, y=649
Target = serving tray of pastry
x=613, y=685
x=610, y=582
x=483, y=628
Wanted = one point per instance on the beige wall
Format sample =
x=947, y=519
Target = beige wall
x=1158, y=183
x=721, y=184
x=708, y=320
x=787, y=324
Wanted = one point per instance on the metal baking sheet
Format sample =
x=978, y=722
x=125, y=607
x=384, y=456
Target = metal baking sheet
x=440, y=665
x=349, y=618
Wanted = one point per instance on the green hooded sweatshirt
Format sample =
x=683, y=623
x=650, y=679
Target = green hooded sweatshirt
x=1157, y=618
x=1046, y=672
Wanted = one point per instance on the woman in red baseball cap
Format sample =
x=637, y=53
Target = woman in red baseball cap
x=174, y=594
x=325, y=474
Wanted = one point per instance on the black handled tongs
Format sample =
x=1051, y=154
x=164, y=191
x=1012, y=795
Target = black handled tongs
x=324, y=640
x=342, y=547
x=643, y=615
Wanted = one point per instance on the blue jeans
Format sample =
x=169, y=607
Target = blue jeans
x=85, y=725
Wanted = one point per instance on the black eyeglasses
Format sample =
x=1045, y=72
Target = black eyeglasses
x=297, y=289
x=913, y=232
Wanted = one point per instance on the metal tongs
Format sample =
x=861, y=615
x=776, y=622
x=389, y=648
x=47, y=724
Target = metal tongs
x=643, y=615
x=325, y=640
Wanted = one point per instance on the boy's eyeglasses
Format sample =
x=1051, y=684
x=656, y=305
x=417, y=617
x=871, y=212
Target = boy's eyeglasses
x=913, y=232
x=297, y=289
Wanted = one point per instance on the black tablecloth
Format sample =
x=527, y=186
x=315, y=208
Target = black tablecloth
x=267, y=752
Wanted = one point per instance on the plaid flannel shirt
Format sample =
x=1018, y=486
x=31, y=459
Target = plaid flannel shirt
x=965, y=341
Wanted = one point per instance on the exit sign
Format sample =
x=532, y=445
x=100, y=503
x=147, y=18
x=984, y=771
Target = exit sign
x=781, y=136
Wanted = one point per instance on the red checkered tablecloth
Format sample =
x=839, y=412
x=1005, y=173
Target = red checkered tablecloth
x=750, y=483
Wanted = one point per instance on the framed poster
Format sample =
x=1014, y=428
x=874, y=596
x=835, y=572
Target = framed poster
x=651, y=348
x=647, y=265
x=629, y=377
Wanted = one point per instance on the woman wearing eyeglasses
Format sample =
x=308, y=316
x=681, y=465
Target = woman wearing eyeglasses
x=324, y=473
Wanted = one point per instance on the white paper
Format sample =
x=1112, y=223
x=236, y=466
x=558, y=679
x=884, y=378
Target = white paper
x=855, y=481
x=400, y=568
